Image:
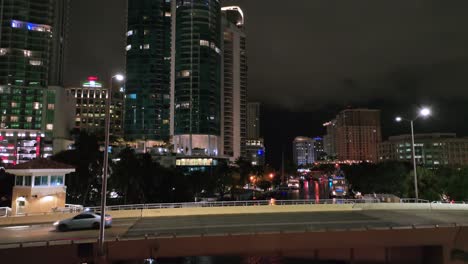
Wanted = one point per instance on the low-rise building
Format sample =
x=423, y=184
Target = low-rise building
x=19, y=146
x=39, y=186
x=433, y=149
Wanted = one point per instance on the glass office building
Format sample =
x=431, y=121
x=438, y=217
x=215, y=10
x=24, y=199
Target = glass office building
x=197, y=88
x=25, y=46
x=147, y=88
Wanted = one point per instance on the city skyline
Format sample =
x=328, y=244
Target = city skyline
x=431, y=62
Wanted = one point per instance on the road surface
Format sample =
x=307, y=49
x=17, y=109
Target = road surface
x=239, y=224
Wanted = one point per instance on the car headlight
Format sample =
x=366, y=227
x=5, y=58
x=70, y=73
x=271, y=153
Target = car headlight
x=333, y=193
x=56, y=223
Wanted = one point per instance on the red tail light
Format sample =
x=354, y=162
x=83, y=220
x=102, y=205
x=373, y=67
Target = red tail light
x=108, y=218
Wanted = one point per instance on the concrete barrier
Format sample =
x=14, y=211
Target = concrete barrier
x=446, y=206
x=261, y=209
x=393, y=206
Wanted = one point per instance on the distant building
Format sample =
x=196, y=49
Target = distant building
x=91, y=107
x=253, y=120
x=355, y=135
x=303, y=151
x=39, y=186
x=255, y=152
x=329, y=140
x=234, y=84
x=433, y=149
x=319, y=148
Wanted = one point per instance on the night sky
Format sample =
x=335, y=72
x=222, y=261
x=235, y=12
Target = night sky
x=310, y=59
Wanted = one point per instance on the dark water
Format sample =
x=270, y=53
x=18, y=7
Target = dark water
x=242, y=260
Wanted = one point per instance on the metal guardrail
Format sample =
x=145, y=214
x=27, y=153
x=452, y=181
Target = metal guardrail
x=5, y=211
x=413, y=200
x=230, y=204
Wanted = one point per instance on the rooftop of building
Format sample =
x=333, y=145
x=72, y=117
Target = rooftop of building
x=302, y=139
x=423, y=136
x=40, y=164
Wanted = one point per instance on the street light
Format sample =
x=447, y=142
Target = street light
x=423, y=112
x=118, y=77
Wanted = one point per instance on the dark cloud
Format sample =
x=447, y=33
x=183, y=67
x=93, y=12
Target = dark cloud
x=304, y=54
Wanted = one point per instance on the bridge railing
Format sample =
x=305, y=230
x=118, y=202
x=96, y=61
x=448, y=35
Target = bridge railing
x=413, y=200
x=230, y=203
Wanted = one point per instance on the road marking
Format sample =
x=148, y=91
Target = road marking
x=16, y=227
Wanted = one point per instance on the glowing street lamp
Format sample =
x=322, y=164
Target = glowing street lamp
x=424, y=112
x=271, y=176
x=117, y=77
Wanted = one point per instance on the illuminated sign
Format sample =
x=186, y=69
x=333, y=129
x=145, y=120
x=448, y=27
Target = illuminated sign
x=92, y=82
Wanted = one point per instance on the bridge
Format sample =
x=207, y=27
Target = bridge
x=348, y=231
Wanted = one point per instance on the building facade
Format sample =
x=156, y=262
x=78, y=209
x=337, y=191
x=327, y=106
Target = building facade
x=329, y=140
x=255, y=152
x=234, y=88
x=319, y=148
x=148, y=70
x=431, y=150
x=356, y=134
x=39, y=186
x=25, y=51
x=303, y=151
x=90, y=111
x=197, y=77
x=253, y=120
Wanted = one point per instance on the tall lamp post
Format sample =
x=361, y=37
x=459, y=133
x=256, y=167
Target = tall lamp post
x=423, y=112
x=118, y=77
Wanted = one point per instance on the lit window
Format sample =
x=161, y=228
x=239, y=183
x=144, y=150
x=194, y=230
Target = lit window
x=49, y=126
x=185, y=73
x=129, y=33
x=27, y=53
x=146, y=32
x=51, y=106
x=14, y=118
x=146, y=46
x=35, y=62
x=132, y=96
x=129, y=47
x=36, y=105
x=3, y=52
x=14, y=104
x=205, y=43
x=29, y=119
x=167, y=14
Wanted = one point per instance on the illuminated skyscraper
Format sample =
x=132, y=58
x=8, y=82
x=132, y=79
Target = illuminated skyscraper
x=197, y=77
x=25, y=45
x=234, y=115
x=147, y=89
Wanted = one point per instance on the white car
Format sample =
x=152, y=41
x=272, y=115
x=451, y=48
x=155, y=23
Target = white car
x=83, y=221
